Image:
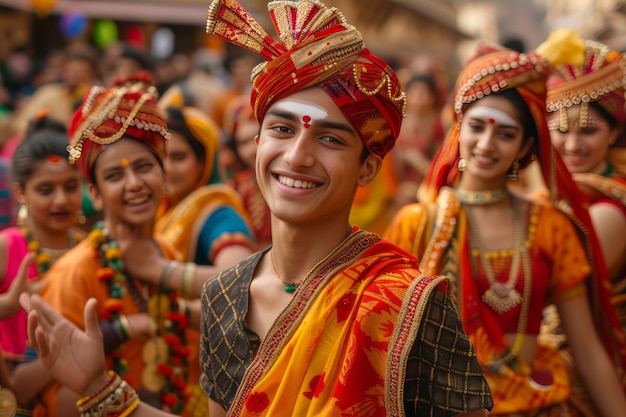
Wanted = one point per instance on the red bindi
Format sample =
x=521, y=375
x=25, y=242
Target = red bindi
x=492, y=121
x=55, y=159
x=306, y=120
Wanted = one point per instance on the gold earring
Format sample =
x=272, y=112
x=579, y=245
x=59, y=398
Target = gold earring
x=461, y=165
x=513, y=174
x=81, y=217
x=22, y=215
x=97, y=205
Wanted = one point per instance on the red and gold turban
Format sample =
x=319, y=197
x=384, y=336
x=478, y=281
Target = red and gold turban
x=319, y=48
x=601, y=78
x=106, y=115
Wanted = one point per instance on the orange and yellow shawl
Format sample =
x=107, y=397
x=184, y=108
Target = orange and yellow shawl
x=341, y=346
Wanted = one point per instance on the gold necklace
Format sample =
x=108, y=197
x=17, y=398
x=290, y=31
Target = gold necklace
x=482, y=197
x=500, y=296
x=290, y=287
x=495, y=299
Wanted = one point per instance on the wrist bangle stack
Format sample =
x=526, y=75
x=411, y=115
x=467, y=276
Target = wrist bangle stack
x=189, y=271
x=115, y=399
x=166, y=273
x=122, y=323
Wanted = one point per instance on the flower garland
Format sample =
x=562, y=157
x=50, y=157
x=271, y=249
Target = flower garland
x=44, y=258
x=166, y=372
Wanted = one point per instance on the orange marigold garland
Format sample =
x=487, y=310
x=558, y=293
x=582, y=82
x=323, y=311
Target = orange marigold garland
x=43, y=259
x=170, y=326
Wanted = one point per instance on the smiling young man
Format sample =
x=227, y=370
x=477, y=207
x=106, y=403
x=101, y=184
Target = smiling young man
x=330, y=320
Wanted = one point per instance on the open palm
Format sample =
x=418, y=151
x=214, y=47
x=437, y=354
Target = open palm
x=75, y=357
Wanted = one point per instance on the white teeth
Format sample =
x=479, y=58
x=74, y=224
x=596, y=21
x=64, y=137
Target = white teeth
x=483, y=159
x=138, y=200
x=290, y=182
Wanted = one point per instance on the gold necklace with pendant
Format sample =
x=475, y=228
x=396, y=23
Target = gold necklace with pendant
x=501, y=296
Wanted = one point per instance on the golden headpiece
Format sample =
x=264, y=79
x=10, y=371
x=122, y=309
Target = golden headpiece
x=600, y=78
x=129, y=109
x=319, y=49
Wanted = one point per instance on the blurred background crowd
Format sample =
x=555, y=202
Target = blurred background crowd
x=51, y=51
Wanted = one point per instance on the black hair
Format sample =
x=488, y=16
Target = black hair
x=423, y=78
x=176, y=123
x=137, y=56
x=44, y=137
x=527, y=120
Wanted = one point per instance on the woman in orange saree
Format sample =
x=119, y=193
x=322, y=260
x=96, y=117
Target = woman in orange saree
x=509, y=256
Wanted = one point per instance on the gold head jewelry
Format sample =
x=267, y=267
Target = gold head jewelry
x=600, y=77
x=128, y=109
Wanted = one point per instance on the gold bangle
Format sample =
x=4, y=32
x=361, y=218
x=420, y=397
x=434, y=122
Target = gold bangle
x=189, y=270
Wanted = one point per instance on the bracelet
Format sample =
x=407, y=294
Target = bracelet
x=118, y=321
x=165, y=273
x=116, y=399
x=125, y=325
x=189, y=270
x=111, y=385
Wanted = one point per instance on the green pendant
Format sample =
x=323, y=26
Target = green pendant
x=290, y=288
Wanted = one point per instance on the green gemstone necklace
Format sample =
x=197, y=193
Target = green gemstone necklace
x=290, y=287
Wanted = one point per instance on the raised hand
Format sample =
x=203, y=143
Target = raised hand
x=142, y=257
x=9, y=301
x=74, y=357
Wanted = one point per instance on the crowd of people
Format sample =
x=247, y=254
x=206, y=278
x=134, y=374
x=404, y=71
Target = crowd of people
x=320, y=237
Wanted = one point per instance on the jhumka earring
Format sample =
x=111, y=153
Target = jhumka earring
x=81, y=219
x=22, y=215
x=513, y=173
x=462, y=164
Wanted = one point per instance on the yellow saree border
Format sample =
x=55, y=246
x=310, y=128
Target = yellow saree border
x=410, y=319
x=176, y=223
x=289, y=320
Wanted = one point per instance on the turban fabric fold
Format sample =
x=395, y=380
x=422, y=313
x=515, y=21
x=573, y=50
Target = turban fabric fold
x=106, y=115
x=318, y=49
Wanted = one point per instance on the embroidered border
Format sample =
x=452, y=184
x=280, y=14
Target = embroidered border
x=409, y=321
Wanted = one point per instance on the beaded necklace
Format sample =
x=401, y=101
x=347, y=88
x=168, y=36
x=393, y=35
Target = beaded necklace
x=165, y=356
x=46, y=257
x=482, y=197
x=290, y=287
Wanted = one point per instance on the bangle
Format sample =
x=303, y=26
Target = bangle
x=125, y=325
x=118, y=322
x=117, y=399
x=113, y=382
x=189, y=270
x=165, y=273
